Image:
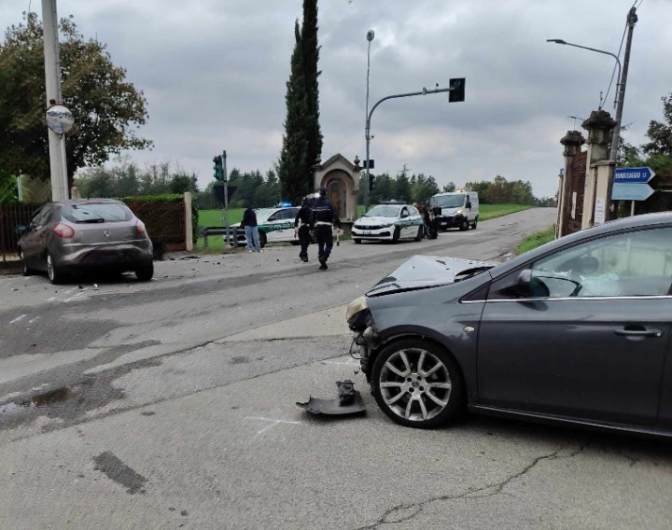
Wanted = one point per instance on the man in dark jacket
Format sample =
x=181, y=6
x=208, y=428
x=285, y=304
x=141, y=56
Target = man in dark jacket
x=322, y=219
x=302, y=228
x=251, y=230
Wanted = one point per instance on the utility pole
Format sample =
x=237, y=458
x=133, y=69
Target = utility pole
x=226, y=202
x=52, y=69
x=632, y=20
x=369, y=37
x=613, y=155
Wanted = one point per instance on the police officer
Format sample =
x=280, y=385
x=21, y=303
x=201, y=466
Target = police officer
x=322, y=219
x=302, y=228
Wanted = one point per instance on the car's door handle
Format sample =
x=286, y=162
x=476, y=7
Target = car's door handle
x=638, y=332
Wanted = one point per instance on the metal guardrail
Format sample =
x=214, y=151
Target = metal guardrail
x=206, y=231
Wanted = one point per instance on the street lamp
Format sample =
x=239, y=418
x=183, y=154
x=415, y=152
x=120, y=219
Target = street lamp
x=618, y=101
x=369, y=37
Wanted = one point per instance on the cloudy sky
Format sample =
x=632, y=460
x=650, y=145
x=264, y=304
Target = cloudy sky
x=214, y=74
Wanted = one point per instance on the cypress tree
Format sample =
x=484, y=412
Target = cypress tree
x=302, y=141
x=293, y=161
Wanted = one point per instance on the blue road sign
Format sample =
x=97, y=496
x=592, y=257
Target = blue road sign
x=633, y=175
x=631, y=192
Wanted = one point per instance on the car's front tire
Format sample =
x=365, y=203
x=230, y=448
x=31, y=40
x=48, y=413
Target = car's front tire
x=418, y=384
x=419, y=235
x=25, y=269
x=475, y=223
x=262, y=239
x=396, y=234
x=464, y=225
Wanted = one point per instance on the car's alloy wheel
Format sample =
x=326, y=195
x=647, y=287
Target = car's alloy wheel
x=53, y=272
x=417, y=384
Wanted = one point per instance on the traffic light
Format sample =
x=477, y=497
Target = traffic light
x=219, y=171
x=371, y=182
x=456, y=93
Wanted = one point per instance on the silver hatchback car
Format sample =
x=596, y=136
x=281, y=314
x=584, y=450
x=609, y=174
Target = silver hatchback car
x=79, y=235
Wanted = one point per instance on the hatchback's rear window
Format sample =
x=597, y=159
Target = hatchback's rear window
x=99, y=212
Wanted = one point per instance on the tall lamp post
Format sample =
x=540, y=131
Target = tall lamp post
x=369, y=37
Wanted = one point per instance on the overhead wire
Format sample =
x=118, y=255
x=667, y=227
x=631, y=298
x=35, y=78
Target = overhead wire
x=613, y=73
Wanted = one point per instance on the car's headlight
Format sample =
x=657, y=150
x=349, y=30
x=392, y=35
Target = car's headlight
x=387, y=225
x=355, y=307
x=459, y=212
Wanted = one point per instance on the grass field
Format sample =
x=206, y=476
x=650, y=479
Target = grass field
x=490, y=211
x=536, y=240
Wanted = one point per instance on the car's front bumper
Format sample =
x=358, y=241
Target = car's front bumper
x=373, y=234
x=450, y=222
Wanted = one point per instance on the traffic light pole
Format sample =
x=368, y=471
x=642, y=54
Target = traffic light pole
x=423, y=92
x=226, y=202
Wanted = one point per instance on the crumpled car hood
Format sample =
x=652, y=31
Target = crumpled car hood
x=421, y=272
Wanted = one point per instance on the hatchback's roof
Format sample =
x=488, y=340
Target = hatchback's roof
x=88, y=201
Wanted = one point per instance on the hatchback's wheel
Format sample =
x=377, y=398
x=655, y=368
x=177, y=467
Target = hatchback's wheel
x=464, y=225
x=145, y=272
x=357, y=241
x=262, y=239
x=25, y=269
x=54, y=273
x=418, y=236
x=475, y=223
x=417, y=384
x=395, y=236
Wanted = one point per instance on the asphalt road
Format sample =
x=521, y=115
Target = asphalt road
x=171, y=404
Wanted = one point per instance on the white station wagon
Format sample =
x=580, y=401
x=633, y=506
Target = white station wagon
x=389, y=222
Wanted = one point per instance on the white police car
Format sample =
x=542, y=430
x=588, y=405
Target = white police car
x=275, y=225
x=389, y=222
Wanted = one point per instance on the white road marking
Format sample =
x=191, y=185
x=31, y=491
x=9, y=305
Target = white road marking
x=272, y=423
x=18, y=319
x=349, y=362
x=33, y=320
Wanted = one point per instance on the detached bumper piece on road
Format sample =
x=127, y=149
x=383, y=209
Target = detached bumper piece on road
x=349, y=401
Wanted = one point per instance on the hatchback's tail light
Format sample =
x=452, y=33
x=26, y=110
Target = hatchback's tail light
x=140, y=227
x=64, y=231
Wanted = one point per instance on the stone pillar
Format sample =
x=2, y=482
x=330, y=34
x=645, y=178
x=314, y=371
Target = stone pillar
x=572, y=142
x=598, y=168
x=188, y=222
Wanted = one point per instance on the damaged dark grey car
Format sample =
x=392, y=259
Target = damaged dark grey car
x=576, y=331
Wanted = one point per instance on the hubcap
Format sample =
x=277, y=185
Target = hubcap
x=50, y=268
x=415, y=384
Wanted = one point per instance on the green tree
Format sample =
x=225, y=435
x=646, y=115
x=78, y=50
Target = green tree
x=293, y=167
x=311, y=56
x=302, y=141
x=450, y=187
x=107, y=108
x=402, y=186
x=181, y=183
x=659, y=133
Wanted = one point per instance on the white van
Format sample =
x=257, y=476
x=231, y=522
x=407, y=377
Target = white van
x=455, y=210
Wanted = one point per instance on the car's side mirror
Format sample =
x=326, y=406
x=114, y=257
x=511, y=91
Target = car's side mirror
x=522, y=287
x=468, y=205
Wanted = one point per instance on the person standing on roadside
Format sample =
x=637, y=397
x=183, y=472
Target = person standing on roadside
x=302, y=228
x=251, y=230
x=322, y=219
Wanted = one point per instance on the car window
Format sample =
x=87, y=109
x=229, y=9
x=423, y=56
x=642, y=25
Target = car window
x=96, y=212
x=631, y=264
x=273, y=217
x=413, y=210
x=404, y=212
x=383, y=210
x=286, y=214
x=41, y=217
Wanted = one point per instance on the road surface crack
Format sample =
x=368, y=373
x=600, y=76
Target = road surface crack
x=406, y=512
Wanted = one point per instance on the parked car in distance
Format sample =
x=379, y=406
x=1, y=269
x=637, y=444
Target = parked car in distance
x=275, y=225
x=576, y=331
x=389, y=222
x=80, y=235
x=455, y=210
